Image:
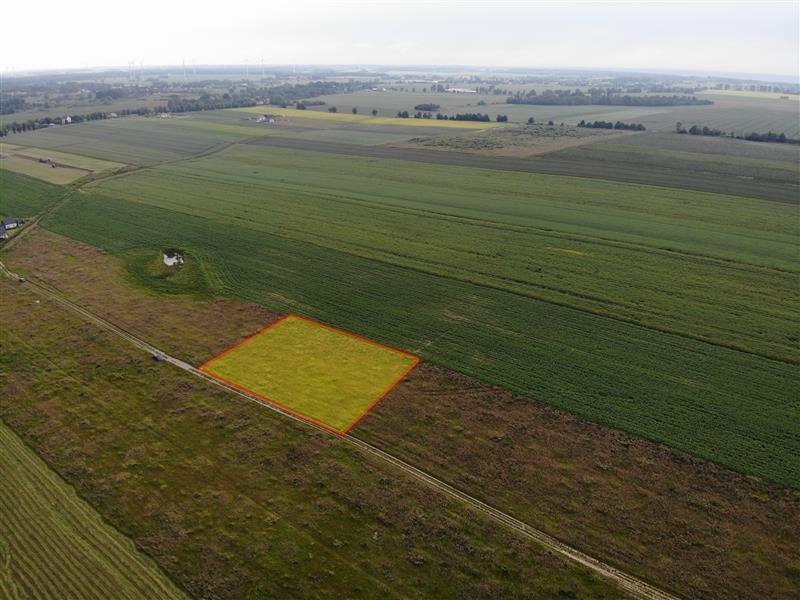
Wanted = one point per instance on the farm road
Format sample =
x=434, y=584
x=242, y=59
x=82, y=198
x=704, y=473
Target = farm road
x=633, y=586
x=645, y=175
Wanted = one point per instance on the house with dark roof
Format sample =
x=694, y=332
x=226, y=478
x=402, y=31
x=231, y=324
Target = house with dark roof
x=3, y=234
x=9, y=224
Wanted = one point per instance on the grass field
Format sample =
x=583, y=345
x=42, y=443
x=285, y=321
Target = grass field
x=53, y=544
x=134, y=140
x=725, y=405
x=23, y=196
x=325, y=375
x=61, y=168
x=233, y=500
x=45, y=172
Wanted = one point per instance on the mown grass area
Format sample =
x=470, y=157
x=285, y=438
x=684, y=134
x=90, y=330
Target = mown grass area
x=64, y=158
x=612, y=249
x=23, y=196
x=729, y=406
x=134, y=140
x=54, y=545
x=41, y=171
x=145, y=267
x=233, y=500
x=324, y=374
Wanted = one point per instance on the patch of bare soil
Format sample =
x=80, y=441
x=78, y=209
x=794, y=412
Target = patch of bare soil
x=682, y=523
x=527, y=140
x=190, y=328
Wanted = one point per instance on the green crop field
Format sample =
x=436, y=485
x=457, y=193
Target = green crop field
x=597, y=297
x=134, y=140
x=23, y=196
x=324, y=374
x=609, y=248
x=53, y=544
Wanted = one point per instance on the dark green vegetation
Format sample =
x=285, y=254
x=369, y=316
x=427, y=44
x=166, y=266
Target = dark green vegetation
x=23, y=196
x=54, y=545
x=233, y=500
x=536, y=291
x=146, y=267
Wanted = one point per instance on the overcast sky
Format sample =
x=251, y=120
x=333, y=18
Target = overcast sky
x=743, y=37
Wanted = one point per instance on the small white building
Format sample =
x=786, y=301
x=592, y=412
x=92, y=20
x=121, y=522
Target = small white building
x=172, y=258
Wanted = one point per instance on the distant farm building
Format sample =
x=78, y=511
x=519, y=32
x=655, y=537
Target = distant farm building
x=9, y=224
x=3, y=234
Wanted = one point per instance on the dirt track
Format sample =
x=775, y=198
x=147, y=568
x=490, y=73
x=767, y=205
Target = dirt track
x=646, y=175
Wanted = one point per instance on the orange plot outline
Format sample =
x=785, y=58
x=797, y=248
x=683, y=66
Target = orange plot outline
x=342, y=432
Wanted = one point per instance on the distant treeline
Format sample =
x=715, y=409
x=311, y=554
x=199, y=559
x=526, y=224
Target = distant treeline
x=600, y=97
x=289, y=93
x=280, y=95
x=777, y=138
x=33, y=124
x=429, y=107
x=404, y=114
x=610, y=125
x=206, y=102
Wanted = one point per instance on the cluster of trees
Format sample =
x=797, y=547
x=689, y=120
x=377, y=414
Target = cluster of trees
x=610, y=125
x=770, y=136
x=304, y=104
x=427, y=107
x=207, y=102
x=404, y=114
x=289, y=93
x=601, y=97
x=464, y=117
x=11, y=104
x=33, y=124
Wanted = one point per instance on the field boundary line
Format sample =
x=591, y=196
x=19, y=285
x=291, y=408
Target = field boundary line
x=634, y=586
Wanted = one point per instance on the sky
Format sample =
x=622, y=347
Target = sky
x=711, y=37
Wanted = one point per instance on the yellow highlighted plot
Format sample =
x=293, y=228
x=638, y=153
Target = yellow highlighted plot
x=325, y=375
x=365, y=119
